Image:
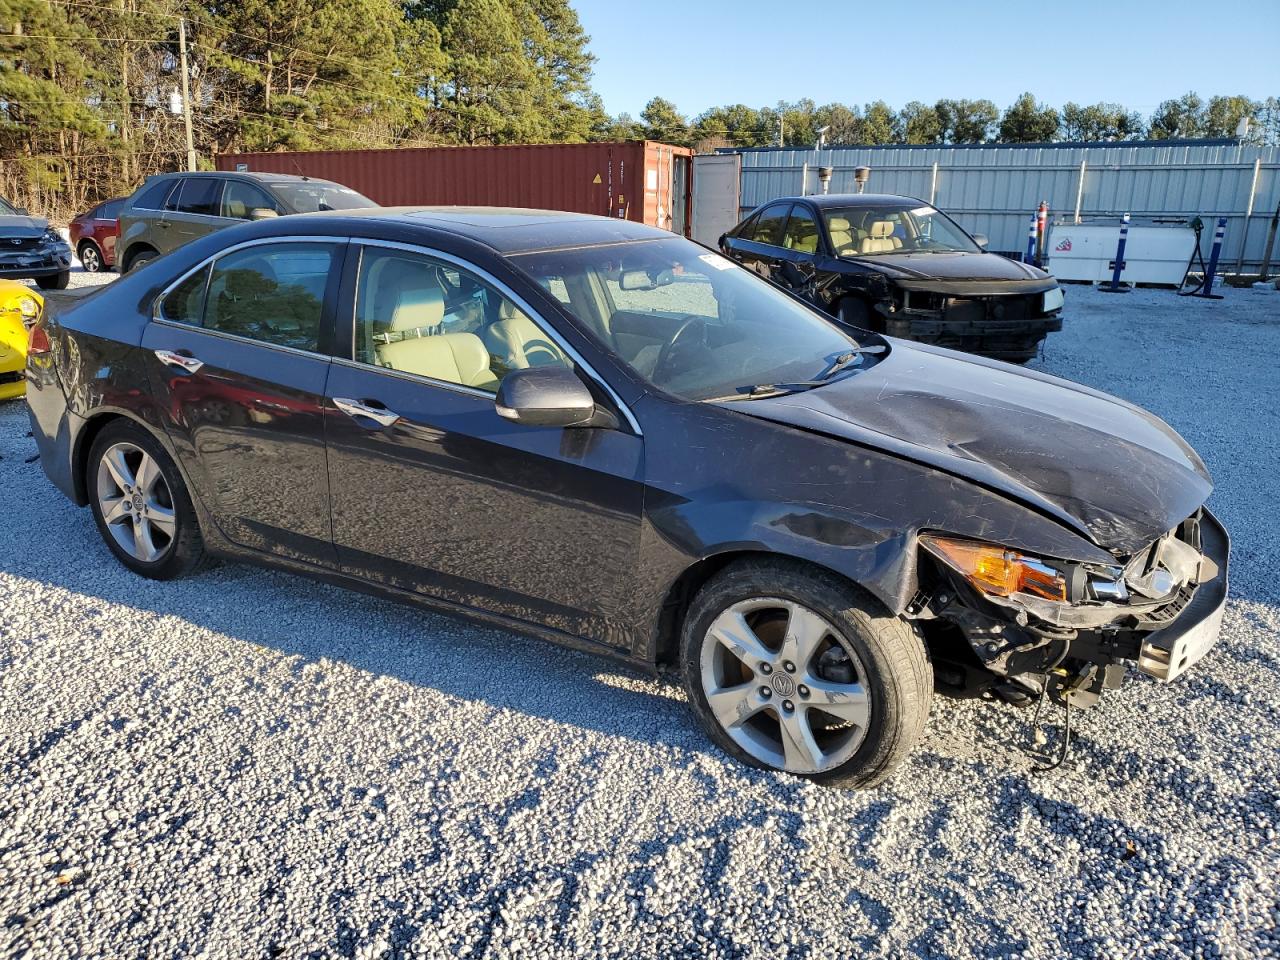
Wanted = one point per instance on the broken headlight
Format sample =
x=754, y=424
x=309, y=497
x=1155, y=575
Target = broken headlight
x=998, y=571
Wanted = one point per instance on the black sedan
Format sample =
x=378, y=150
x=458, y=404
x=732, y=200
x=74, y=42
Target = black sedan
x=896, y=265
x=609, y=436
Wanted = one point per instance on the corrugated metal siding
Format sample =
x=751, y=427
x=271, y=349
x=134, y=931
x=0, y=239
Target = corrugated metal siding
x=541, y=176
x=994, y=189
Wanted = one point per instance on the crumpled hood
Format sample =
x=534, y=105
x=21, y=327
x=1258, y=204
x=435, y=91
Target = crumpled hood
x=23, y=227
x=1112, y=471
x=951, y=266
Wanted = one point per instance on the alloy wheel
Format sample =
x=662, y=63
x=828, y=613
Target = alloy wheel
x=135, y=502
x=785, y=685
x=89, y=258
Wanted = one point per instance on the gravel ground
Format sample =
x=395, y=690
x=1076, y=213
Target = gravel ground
x=248, y=764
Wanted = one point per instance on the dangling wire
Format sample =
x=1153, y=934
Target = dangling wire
x=1066, y=735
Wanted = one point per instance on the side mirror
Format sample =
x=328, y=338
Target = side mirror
x=22, y=211
x=550, y=396
x=981, y=240
x=262, y=213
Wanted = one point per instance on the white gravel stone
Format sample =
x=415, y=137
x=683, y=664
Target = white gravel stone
x=248, y=764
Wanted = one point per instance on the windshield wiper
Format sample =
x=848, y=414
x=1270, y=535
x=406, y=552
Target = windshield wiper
x=761, y=391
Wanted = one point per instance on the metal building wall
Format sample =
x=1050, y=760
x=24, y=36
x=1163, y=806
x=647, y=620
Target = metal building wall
x=994, y=189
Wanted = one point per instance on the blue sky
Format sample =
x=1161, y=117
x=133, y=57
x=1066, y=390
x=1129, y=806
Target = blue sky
x=699, y=53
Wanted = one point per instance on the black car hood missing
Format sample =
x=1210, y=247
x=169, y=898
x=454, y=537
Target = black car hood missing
x=949, y=266
x=1115, y=473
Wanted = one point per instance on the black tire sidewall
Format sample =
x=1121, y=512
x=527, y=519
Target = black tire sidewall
x=861, y=622
x=186, y=551
x=58, y=281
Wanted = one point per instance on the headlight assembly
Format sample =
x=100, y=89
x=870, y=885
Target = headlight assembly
x=28, y=307
x=998, y=571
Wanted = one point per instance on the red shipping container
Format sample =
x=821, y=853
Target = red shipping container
x=643, y=181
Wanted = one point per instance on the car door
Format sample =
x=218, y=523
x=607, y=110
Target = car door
x=105, y=220
x=758, y=246
x=803, y=252
x=434, y=492
x=237, y=352
x=191, y=212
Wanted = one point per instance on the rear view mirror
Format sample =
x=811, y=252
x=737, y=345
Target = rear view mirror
x=262, y=213
x=550, y=396
x=641, y=280
x=981, y=240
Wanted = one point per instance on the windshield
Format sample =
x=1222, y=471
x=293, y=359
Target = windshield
x=688, y=320
x=310, y=196
x=6, y=208
x=897, y=228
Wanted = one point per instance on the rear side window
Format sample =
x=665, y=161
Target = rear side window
x=240, y=199
x=199, y=195
x=273, y=293
x=153, y=197
x=185, y=303
x=768, y=228
x=802, y=231
x=109, y=210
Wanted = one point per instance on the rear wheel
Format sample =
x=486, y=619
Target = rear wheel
x=141, y=505
x=138, y=259
x=58, y=281
x=794, y=669
x=90, y=258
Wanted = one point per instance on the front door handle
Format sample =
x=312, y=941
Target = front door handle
x=170, y=359
x=354, y=408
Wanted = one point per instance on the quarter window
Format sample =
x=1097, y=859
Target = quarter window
x=273, y=293
x=185, y=303
x=153, y=197
x=423, y=316
x=768, y=228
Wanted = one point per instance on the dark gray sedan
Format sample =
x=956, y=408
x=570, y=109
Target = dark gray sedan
x=611, y=437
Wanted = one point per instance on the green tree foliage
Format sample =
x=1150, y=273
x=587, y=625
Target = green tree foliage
x=1100, y=121
x=880, y=124
x=662, y=121
x=1027, y=121
x=920, y=123
x=1223, y=115
x=1183, y=117
x=966, y=121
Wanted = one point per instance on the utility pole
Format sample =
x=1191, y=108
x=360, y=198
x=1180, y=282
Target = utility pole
x=781, y=132
x=186, y=94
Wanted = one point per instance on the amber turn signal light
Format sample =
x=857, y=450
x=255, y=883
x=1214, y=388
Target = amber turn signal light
x=997, y=570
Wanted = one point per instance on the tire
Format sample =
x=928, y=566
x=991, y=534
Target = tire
x=58, y=281
x=859, y=639
x=174, y=534
x=138, y=259
x=854, y=312
x=90, y=257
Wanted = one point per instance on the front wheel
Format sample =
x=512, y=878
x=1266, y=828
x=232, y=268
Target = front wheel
x=791, y=668
x=58, y=281
x=141, y=505
x=90, y=259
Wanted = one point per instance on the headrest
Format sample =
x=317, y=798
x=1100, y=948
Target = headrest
x=881, y=229
x=417, y=308
x=838, y=223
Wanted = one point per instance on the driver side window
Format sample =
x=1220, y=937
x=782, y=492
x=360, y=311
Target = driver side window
x=433, y=319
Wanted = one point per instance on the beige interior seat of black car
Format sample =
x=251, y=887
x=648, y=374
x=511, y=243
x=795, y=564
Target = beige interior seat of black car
x=516, y=342
x=452, y=357
x=879, y=239
x=841, y=235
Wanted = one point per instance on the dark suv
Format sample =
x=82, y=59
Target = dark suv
x=174, y=208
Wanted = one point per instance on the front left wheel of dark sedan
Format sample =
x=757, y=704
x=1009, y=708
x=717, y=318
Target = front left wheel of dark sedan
x=791, y=668
x=141, y=505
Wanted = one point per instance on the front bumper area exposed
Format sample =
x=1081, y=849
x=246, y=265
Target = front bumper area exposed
x=43, y=262
x=1170, y=652
x=1004, y=327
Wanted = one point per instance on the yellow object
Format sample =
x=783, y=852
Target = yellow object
x=996, y=570
x=19, y=308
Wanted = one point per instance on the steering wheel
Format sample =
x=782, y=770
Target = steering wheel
x=669, y=349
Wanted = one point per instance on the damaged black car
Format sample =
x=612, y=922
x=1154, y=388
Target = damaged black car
x=613, y=438
x=898, y=266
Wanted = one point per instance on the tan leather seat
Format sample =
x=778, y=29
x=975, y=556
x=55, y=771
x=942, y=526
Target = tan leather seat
x=841, y=235
x=516, y=341
x=880, y=238
x=453, y=357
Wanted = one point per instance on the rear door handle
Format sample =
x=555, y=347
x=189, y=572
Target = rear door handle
x=354, y=408
x=170, y=359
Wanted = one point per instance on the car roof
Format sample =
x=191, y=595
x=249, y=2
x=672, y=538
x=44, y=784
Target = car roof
x=263, y=176
x=823, y=200
x=508, y=230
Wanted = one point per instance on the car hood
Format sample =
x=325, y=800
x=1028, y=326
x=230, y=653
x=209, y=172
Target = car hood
x=950, y=266
x=23, y=227
x=1113, y=472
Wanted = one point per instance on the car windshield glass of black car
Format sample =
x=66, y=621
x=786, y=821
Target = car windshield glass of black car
x=690, y=321
x=310, y=196
x=867, y=231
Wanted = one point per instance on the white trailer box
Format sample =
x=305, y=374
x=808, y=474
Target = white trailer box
x=1087, y=252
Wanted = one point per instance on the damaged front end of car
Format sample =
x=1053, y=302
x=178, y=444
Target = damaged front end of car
x=1024, y=627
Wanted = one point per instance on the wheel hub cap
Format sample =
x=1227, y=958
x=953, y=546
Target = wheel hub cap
x=135, y=502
